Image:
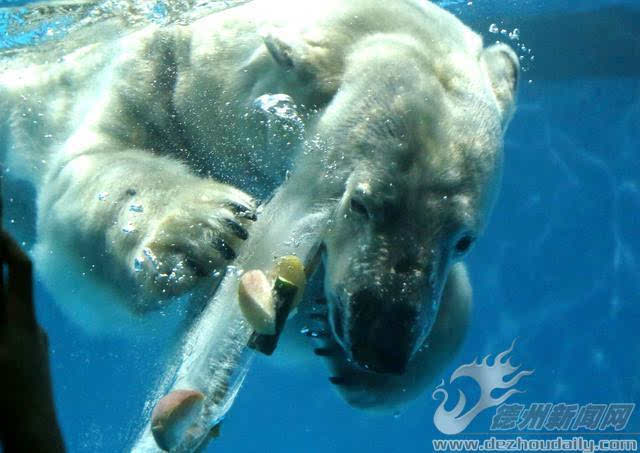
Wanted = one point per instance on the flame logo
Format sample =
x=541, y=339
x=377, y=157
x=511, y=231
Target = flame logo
x=489, y=378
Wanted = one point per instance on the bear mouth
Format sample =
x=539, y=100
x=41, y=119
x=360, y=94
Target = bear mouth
x=336, y=323
x=355, y=330
x=372, y=348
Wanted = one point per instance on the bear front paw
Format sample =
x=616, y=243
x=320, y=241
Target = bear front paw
x=194, y=239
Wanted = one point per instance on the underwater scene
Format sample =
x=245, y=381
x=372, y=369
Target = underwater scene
x=324, y=226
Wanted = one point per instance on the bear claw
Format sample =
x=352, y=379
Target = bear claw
x=237, y=229
x=225, y=250
x=337, y=380
x=325, y=352
x=242, y=210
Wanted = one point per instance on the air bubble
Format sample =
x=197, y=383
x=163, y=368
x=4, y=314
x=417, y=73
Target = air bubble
x=515, y=34
x=150, y=256
x=493, y=28
x=278, y=105
x=234, y=270
x=129, y=228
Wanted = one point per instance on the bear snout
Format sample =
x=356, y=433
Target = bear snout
x=381, y=335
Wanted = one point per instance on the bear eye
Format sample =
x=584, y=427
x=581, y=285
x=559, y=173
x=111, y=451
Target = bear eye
x=359, y=207
x=464, y=244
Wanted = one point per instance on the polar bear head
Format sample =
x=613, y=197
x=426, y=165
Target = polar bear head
x=411, y=139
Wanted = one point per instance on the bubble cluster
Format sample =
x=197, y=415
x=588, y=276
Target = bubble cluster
x=524, y=53
x=279, y=105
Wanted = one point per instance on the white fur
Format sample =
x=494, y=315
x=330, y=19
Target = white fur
x=163, y=118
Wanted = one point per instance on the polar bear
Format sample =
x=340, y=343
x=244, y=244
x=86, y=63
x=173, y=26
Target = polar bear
x=149, y=160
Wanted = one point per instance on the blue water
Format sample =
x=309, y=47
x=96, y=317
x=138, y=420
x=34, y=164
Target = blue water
x=558, y=269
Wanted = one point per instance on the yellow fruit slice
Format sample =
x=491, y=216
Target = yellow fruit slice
x=290, y=268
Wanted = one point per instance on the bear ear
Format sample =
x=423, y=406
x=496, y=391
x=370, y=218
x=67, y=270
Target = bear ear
x=281, y=50
x=503, y=68
x=307, y=57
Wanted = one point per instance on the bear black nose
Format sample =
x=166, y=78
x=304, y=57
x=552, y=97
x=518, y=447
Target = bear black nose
x=381, y=335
